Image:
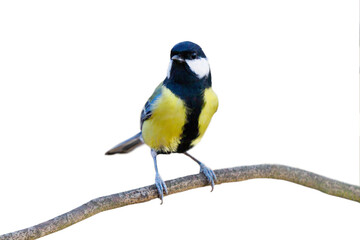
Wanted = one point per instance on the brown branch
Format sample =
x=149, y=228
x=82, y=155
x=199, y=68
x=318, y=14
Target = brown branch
x=144, y=194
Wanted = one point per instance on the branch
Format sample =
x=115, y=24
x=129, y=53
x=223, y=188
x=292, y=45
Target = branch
x=144, y=194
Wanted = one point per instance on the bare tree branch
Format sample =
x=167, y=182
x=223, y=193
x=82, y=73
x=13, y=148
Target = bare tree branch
x=144, y=194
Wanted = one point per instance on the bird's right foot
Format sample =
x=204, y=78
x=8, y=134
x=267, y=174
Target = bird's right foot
x=161, y=187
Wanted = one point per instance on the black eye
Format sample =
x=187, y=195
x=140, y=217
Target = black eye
x=193, y=56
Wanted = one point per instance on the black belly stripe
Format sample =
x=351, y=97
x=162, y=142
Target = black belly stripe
x=191, y=128
x=191, y=90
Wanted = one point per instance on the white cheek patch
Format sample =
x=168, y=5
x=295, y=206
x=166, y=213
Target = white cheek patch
x=169, y=69
x=199, y=66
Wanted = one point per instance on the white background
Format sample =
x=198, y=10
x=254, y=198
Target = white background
x=74, y=76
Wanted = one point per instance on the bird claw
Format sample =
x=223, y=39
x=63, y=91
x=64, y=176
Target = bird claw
x=209, y=174
x=161, y=187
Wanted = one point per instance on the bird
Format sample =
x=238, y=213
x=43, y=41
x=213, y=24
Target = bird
x=176, y=116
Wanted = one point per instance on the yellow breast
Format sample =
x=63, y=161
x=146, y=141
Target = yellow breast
x=163, y=129
x=210, y=107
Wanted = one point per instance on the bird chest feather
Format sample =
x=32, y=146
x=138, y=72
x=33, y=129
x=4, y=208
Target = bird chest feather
x=162, y=131
x=208, y=110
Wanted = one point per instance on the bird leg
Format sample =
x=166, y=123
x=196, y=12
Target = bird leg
x=160, y=184
x=209, y=174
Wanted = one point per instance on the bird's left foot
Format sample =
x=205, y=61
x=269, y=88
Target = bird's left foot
x=209, y=174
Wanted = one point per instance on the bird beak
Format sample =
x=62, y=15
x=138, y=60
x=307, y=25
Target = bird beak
x=177, y=58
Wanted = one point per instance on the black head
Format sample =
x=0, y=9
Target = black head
x=186, y=51
x=188, y=63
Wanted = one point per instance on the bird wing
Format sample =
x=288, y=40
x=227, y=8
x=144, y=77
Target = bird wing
x=147, y=110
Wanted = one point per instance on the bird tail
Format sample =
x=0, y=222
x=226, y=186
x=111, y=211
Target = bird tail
x=127, y=146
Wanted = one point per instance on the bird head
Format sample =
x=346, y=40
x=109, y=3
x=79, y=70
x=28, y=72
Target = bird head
x=190, y=57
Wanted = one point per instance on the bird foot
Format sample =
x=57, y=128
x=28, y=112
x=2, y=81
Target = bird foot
x=161, y=187
x=209, y=174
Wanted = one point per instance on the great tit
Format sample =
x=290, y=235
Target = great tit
x=177, y=114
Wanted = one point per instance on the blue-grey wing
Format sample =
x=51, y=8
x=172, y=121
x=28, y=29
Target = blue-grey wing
x=147, y=110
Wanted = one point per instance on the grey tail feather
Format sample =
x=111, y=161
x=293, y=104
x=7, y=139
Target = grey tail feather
x=127, y=146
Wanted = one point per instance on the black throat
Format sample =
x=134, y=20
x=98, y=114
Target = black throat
x=187, y=86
